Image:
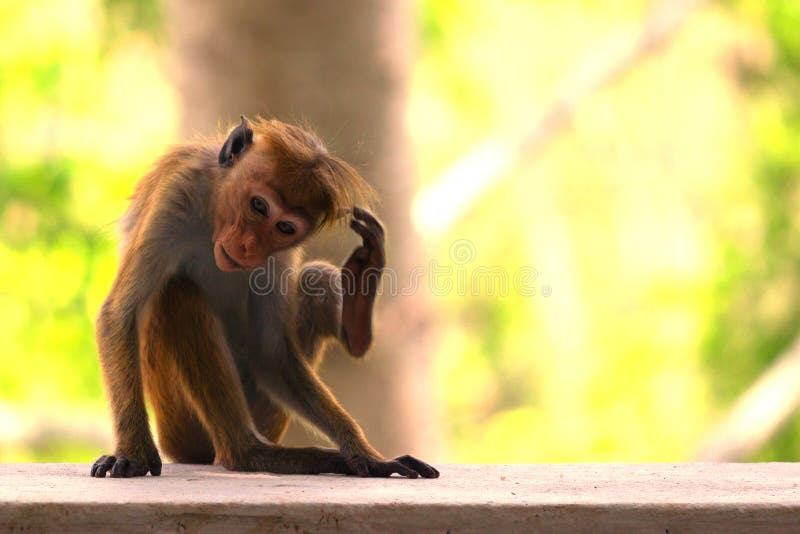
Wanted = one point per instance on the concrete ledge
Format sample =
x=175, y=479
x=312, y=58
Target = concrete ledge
x=467, y=498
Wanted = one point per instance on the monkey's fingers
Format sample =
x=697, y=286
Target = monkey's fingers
x=370, y=237
x=120, y=467
x=366, y=467
x=425, y=470
x=102, y=465
x=372, y=240
x=155, y=466
x=372, y=221
x=358, y=258
x=387, y=469
x=124, y=468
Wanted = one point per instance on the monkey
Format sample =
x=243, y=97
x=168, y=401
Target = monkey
x=224, y=366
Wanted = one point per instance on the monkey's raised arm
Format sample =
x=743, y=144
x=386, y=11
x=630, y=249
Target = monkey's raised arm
x=361, y=276
x=338, y=303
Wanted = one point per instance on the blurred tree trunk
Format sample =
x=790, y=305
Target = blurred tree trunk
x=342, y=69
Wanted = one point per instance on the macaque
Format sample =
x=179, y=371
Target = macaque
x=224, y=366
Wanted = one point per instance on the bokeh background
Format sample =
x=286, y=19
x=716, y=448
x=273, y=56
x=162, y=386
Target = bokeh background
x=638, y=161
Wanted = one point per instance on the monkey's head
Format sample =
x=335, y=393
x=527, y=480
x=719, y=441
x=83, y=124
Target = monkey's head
x=279, y=186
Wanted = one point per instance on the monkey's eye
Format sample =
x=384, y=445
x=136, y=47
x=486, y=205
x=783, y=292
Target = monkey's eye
x=259, y=205
x=285, y=228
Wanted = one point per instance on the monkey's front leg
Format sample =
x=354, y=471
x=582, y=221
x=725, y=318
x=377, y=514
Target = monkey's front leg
x=361, y=275
x=135, y=453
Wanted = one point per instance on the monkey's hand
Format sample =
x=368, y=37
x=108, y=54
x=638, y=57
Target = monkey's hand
x=361, y=274
x=122, y=465
x=406, y=466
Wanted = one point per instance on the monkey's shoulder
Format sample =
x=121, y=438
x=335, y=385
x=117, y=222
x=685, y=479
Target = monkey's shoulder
x=174, y=193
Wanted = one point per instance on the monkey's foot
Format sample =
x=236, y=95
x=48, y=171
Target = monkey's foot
x=121, y=467
x=405, y=466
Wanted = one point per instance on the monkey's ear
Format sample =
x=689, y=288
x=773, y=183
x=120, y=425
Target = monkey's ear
x=239, y=139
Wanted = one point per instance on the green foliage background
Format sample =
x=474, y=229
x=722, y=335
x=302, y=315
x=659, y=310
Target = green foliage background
x=664, y=220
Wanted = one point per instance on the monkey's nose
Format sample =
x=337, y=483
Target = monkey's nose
x=249, y=245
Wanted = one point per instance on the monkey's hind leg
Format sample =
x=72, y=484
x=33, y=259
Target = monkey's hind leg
x=181, y=435
x=270, y=419
x=193, y=359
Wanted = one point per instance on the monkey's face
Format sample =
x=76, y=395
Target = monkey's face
x=254, y=221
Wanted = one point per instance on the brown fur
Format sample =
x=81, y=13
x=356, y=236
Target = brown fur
x=311, y=176
x=222, y=365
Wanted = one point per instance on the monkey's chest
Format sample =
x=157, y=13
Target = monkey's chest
x=225, y=294
x=250, y=321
